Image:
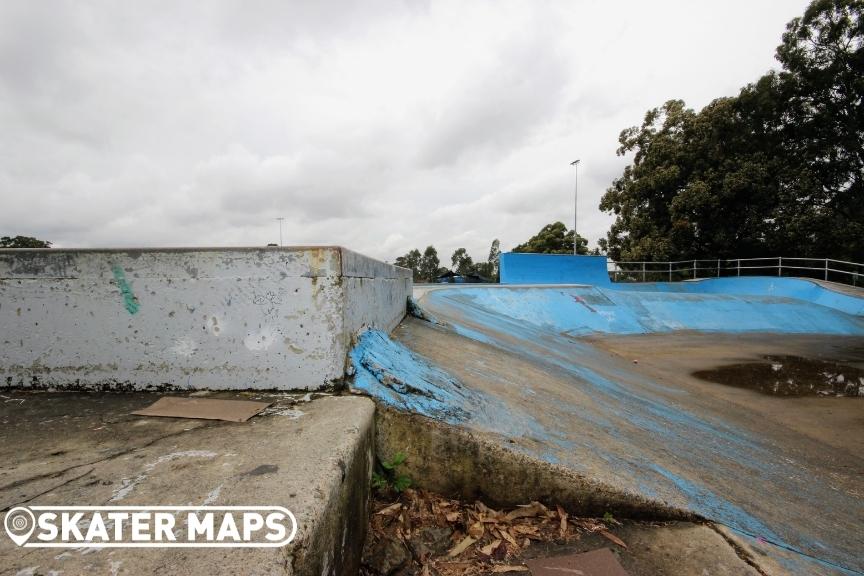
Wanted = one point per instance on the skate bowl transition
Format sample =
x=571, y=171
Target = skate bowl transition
x=736, y=399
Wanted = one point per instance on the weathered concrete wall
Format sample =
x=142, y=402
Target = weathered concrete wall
x=274, y=318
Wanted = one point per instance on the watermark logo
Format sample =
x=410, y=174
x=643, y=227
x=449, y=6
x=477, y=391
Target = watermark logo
x=150, y=526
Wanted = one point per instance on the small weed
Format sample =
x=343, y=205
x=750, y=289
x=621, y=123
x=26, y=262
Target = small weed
x=607, y=517
x=389, y=478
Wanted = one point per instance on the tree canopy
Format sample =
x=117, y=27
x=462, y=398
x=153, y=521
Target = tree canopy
x=427, y=267
x=23, y=242
x=553, y=239
x=775, y=170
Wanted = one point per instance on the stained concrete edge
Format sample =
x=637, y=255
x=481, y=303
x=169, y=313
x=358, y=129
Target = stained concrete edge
x=314, y=458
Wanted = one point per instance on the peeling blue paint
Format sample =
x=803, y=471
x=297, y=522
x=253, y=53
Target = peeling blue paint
x=624, y=420
x=391, y=373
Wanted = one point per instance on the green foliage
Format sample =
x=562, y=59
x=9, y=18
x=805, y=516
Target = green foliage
x=776, y=170
x=390, y=478
x=427, y=267
x=553, y=239
x=462, y=263
x=23, y=242
x=429, y=264
x=411, y=261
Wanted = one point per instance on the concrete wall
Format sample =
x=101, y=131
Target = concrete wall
x=271, y=318
x=519, y=268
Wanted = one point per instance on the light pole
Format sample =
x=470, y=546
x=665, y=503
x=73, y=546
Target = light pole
x=280, y=219
x=575, y=203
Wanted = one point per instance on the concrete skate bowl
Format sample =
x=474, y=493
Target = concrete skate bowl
x=604, y=381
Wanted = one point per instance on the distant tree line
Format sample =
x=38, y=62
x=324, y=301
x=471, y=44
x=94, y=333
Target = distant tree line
x=22, y=242
x=776, y=170
x=552, y=239
x=427, y=267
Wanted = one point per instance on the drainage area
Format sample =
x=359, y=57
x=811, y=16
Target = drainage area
x=790, y=376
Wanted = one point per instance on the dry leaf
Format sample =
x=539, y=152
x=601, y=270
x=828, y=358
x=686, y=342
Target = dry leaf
x=476, y=530
x=390, y=510
x=533, y=509
x=452, y=516
x=461, y=546
x=524, y=529
x=508, y=536
x=500, y=568
x=612, y=538
x=562, y=530
x=490, y=548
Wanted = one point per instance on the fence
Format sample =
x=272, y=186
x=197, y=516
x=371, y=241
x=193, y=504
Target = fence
x=819, y=268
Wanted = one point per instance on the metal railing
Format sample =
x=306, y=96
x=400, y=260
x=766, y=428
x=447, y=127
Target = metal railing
x=827, y=269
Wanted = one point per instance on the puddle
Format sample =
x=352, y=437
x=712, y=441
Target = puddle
x=790, y=376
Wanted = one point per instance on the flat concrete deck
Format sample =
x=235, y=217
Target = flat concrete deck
x=313, y=457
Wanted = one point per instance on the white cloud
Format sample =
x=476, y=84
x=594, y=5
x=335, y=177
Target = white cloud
x=382, y=126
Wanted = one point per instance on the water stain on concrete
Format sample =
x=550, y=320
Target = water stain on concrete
x=790, y=376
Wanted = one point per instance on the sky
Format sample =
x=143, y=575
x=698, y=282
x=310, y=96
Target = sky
x=379, y=126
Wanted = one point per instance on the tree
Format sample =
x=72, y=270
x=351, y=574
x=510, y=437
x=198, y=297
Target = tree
x=775, y=170
x=411, y=260
x=23, y=242
x=462, y=262
x=494, y=259
x=429, y=264
x=553, y=239
x=488, y=270
x=822, y=81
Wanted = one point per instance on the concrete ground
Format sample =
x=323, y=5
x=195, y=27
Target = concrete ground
x=782, y=474
x=659, y=549
x=313, y=457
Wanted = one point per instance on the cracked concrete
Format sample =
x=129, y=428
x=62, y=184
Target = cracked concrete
x=86, y=449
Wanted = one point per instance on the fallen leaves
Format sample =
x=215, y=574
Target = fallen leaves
x=612, y=538
x=461, y=546
x=481, y=540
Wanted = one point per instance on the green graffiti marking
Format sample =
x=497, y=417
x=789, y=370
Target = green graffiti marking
x=129, y=299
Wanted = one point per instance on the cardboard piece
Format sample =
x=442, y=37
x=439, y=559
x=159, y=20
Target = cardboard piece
x=600, y=562
x=206, y=408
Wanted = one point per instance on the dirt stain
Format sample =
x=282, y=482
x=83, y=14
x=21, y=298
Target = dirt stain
x=790, y=376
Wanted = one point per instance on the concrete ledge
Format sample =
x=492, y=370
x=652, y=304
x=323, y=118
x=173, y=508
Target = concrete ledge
x=457, y=462
x=85, y=449
x=189, y=318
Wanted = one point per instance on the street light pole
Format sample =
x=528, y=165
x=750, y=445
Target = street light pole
x=575, y=203
x=280, y=219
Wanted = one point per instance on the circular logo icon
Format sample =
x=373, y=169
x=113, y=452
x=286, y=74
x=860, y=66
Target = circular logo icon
x=19, y=524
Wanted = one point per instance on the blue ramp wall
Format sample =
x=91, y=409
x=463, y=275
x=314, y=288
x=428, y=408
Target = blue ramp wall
x=518, y=268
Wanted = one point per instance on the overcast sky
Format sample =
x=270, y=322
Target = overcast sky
x=380, y=126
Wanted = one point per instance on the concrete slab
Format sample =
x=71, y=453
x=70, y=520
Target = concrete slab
x=766, y=467
x=189, y=318
x=660, y=549
x=314, y=458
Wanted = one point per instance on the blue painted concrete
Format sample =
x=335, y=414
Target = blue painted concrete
x=518, y=268
x=395, y=375
x=619, y=426
x=797, y=288
x=579, y=311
